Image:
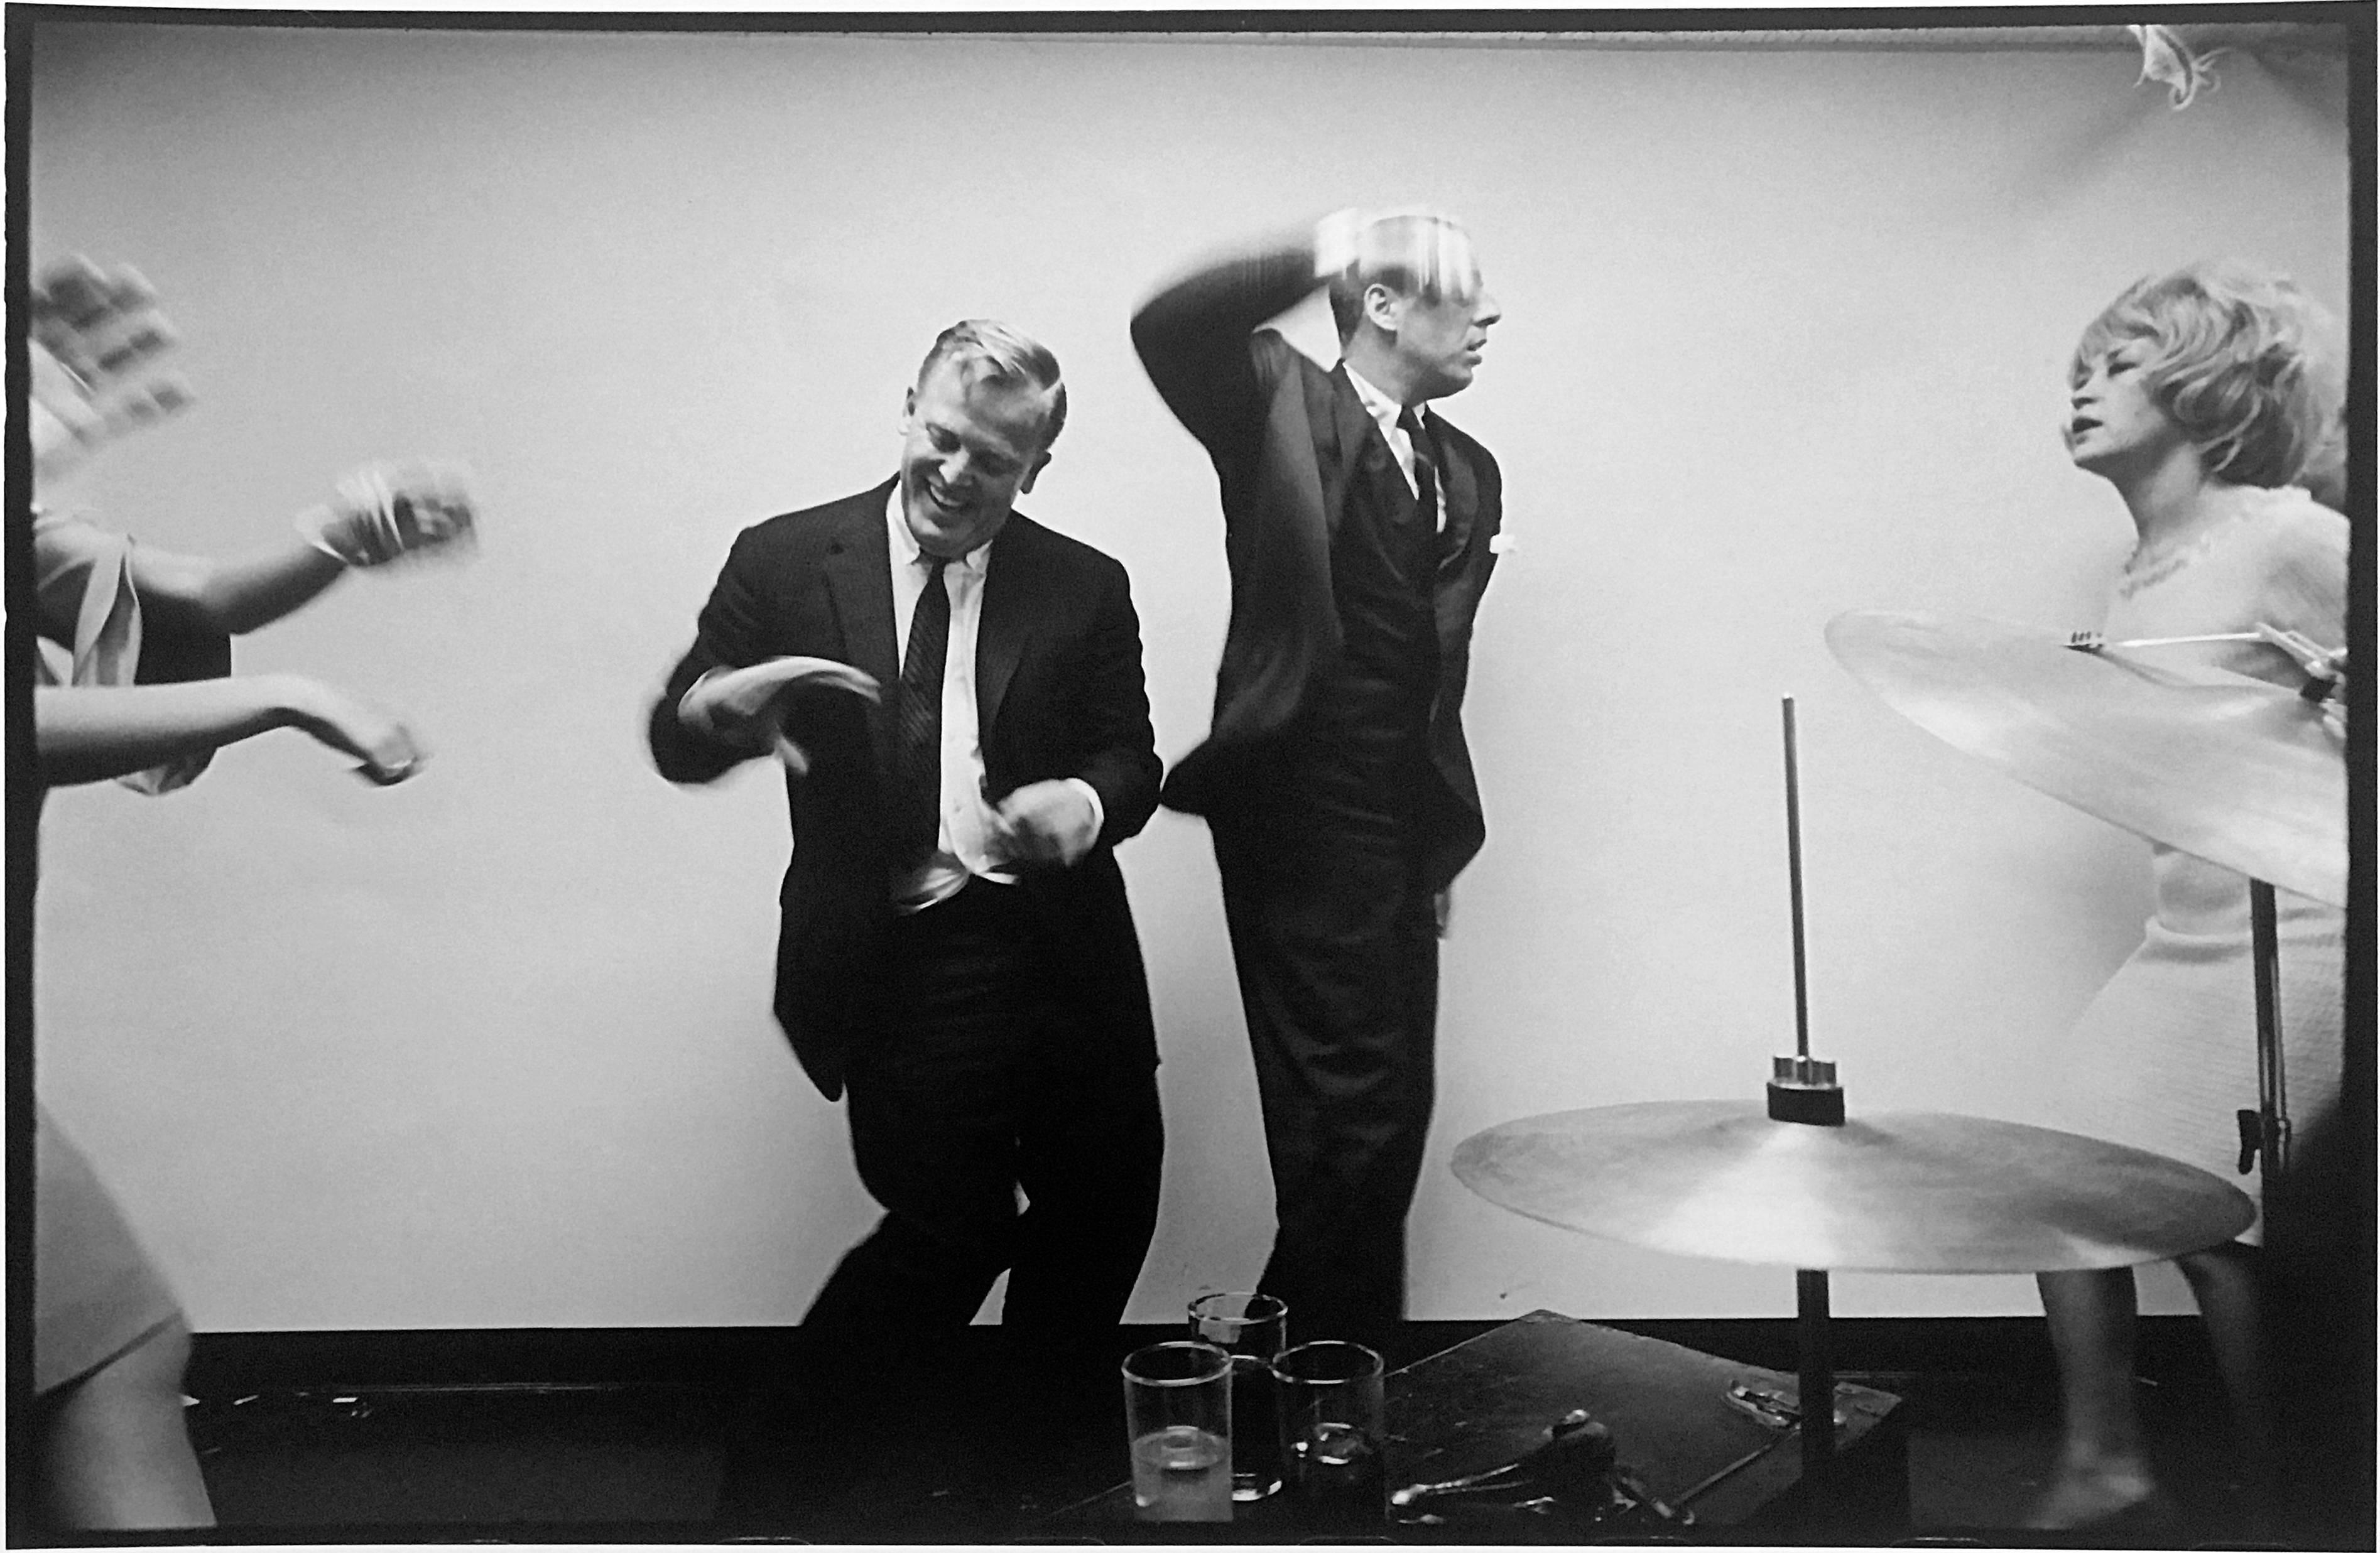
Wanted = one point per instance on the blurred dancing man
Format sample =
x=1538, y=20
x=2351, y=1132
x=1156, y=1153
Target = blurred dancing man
x=1359, y=528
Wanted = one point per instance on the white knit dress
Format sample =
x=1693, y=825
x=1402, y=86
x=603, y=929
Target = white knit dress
x=2164, y=1057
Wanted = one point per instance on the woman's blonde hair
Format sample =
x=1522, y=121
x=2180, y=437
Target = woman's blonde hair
x=2246, y=364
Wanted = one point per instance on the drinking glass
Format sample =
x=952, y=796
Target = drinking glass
x=1177, y=1414
x=1332, y=1438
x=1253, y=1329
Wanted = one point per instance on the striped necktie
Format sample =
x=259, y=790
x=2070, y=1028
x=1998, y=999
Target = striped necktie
x=917, y=820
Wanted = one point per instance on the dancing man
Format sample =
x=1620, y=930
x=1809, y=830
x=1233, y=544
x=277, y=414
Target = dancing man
x=1359, y=528
x=956, y=952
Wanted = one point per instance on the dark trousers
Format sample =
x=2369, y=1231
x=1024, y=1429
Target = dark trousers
x=986, y=1080
x=1334, y=936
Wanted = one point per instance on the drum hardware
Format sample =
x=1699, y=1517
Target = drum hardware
x=1777, y=1407
x=2272, y=1122
x=1802, y=1091
x=2318, y=664
x=1771, y=1406
x=1574, y=1471
x=1799, y=1183
x=2229, y=769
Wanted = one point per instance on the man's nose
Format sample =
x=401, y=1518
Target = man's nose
x=1487, y=310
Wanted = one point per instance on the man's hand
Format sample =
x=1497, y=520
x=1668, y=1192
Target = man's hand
x=1046, y=822
x=93, y=340
x=1410, y=239
x=745, y=708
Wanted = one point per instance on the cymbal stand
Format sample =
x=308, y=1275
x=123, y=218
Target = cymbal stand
x=1803, y=1089
x=2272, y=1126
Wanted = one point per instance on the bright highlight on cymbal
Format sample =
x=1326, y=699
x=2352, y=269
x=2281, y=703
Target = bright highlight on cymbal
x=1897, y=1192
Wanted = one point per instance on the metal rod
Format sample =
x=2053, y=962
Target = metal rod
x=1715, y=1479
x=2272, y=1130
x=1818, y=1382
x=2188, y=641
x=1794, y=869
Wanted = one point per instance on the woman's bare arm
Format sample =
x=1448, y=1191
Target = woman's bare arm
x=91, y=732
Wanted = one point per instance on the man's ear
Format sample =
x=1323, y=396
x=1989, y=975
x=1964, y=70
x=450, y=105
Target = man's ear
x=1040, y=462
x=1383, y=308
x=908, y=408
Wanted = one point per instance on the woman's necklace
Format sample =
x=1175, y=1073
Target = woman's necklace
x=2152, y=562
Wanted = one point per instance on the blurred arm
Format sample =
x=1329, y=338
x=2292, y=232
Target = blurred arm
x=239, y=594
x=90, y=733
x=1193, y=337
x=730, y=633
x=378, y=513
x=95, y=338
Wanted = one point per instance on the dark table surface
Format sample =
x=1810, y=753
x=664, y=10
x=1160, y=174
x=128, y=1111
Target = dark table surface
x=1487, y=1400
x=982, y=1436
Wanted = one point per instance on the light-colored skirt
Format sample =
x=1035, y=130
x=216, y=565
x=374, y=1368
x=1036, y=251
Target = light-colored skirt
x=2164, y=1058
x=95, y=1292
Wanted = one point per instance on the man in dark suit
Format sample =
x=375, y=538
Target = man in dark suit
x=956, y=949
x=1359, y=529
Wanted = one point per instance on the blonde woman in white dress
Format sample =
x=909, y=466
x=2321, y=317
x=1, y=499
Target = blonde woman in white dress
x=2205, y=397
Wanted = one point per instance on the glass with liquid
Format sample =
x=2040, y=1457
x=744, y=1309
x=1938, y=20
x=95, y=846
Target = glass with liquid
x=1332, y=1434
x=1253, y=1329
x=1177, y=1411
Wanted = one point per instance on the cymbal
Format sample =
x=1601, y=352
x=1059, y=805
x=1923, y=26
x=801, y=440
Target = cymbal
x=1898, y=1192
x=2240, y=773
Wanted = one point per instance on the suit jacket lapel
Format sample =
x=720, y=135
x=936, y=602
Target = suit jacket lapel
x=1461, y=488
x=1009, y=581
x=1363, y=447
x=1364, y=453
x=859, y=569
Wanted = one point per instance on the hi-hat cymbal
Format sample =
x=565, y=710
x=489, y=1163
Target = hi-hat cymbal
x=2241, y=773
x=1898, y=1192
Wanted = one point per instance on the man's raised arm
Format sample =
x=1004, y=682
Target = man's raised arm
x=1193, y=335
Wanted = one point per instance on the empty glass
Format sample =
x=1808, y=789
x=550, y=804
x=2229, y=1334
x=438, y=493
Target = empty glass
x=1334, y=1444
x=1253, y=1329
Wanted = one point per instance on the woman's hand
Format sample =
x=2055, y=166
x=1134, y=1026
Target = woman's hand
x=389, y=750
x=93, y=340
x=382, y=512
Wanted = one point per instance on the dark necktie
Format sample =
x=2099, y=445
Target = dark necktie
x=1425, y=464
x=1453, y=534
x=918, y=821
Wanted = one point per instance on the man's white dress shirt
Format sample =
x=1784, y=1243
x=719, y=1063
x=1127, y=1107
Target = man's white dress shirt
x=1386, y=412
x=967, y=841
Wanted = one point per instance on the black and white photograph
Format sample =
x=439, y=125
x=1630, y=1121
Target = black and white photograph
x=1256, y=777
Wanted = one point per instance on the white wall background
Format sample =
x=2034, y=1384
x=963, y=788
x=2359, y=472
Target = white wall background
x=1785, y=336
